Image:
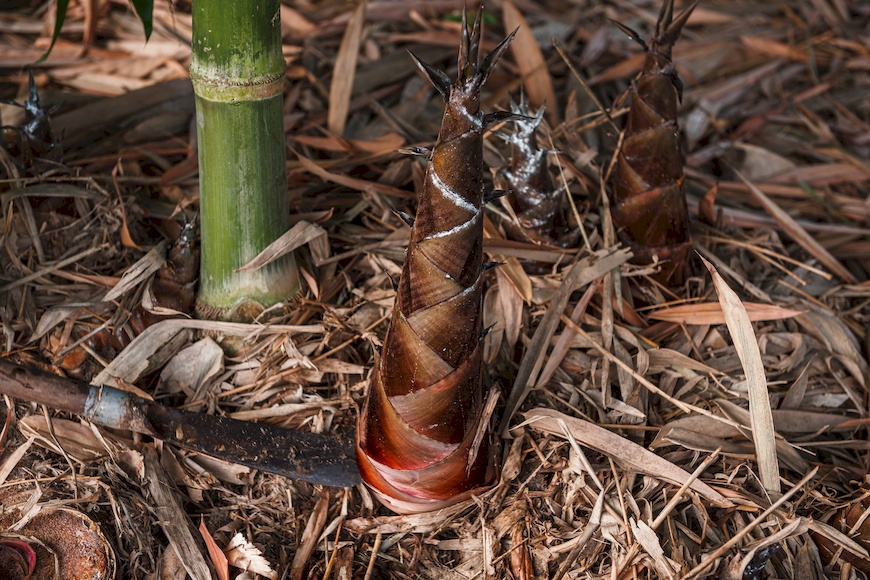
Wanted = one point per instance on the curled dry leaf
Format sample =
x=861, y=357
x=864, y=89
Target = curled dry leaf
x=189, y=369
x=242, y=554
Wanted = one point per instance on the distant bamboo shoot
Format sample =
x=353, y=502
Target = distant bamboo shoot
x=649, y=190
x=416, y=439
x=535, y=198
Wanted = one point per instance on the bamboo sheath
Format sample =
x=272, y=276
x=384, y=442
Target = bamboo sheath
x=416, y=444
x=649, y=206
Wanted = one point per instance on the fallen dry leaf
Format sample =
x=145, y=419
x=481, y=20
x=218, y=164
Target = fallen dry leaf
x=761, y=418
x=711, y=313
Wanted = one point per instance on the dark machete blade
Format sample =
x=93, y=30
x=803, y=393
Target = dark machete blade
x=312, y=457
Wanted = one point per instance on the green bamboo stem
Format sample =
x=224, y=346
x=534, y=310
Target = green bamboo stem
x=237, y=71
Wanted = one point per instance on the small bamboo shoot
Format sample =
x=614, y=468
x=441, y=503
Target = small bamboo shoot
x=649, y=205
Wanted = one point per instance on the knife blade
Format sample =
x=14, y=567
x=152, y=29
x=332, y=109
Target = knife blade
x=313, y=457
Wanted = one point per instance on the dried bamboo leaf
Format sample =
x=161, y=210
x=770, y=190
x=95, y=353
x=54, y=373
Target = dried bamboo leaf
x=75, y=439
x=351, y=182
x=218, y=559
x=647, y=538
x=530, y=60
x=172, y=518
x=737, y=569
x=784, y=452
x=343, y=74
x=310, y=535
x=139, y=272
x=624, y=452
x=189, y=369
x=560, y=349
x=746, y=345
x=581, y=273
x=137, y=357
x=511, y=303
x=666, y=357
x=300, y=234
x=12, y=459
x=711, y=313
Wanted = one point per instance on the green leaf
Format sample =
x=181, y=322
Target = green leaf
x=145, y=11
x=58, y=24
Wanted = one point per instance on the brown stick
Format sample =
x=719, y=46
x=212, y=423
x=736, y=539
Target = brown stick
x=29, y=384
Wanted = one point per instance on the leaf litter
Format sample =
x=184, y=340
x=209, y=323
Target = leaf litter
x=643, y=460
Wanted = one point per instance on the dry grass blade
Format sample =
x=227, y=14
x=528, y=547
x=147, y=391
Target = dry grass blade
x=536, y=77
x=309, y=537
x=343, y=74
x=173, y=519
x=746, y=345
x=711, y=313
x=626, y=453
x=799, y=234
x=218, y=558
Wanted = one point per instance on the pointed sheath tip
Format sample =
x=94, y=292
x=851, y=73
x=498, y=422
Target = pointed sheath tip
x=494, y=194
x=439, y=80
x=631, y=33
x=421, y=151
x=34, y=94
x=409, y=220
x=671, y=33
x=493, y=57
x=500, y=116
x=666, y=15
x=469, y=45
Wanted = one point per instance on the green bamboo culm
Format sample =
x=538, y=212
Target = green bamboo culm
x=237, y=71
